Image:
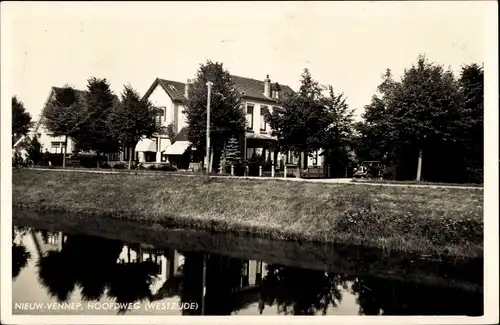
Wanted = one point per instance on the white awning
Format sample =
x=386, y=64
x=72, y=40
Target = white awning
x=260, y=136
x=178, y=148
x=146, y=145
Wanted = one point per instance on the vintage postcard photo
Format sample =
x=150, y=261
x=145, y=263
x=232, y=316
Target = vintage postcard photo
x=171, y=160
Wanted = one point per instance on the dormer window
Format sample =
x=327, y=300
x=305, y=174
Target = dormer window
x=276, y=91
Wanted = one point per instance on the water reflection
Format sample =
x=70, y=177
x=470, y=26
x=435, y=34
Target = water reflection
x=94, y=265
x=298, y=291
x=390, y=297
x=75, y=267
x=20, y=255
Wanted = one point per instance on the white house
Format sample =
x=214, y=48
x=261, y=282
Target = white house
x=170, y=98
x=49, y=142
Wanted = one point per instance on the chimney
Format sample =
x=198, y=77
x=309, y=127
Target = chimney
x=186, y=88
x=267, y=86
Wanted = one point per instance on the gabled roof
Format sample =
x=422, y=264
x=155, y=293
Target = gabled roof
x=173, y=88
x=252, y=88
x=247, y=87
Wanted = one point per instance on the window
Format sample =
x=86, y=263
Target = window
x=291, y=158
x=56, y=147
x=250, y=152
x=160, y=115
x=246, y=269
x=315, y=158
x=249, y=117
x=115, y=156
x=263, y=123
x=276, y=94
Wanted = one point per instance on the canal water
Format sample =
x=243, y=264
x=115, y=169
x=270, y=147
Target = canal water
x=70, y=273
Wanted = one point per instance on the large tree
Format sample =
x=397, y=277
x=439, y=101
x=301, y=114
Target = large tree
x=337, y=137
x=227, y=118
x=414, y=118
x=64, y=114
x=21, y=119
x=95, y=133
x=422, y=107
x=301, y=120
x=375, y=132
x=131, y=119
x=471, y=126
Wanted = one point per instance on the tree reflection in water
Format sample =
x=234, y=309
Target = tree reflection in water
x=377, y=296
x=223, y=284
x=224, y=277
x=91, y=263
x=20, y=255
x=131, y=282
x=297, y=291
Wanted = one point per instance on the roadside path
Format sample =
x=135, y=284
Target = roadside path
x=289, y=179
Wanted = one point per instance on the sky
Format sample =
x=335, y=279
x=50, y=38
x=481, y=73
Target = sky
x=348, y=45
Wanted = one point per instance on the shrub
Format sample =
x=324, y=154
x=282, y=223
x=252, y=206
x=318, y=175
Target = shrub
x=239, y=169
x=105, y=166
x=119, y=165
x=152, y=167
x=87, y=161
x=167, y=168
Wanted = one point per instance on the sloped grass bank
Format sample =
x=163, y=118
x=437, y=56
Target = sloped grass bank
x=437, y=221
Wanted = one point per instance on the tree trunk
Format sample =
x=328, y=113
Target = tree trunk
x=97, y=160
x=323, y=163
x=299, y=165
x=224, y=157
x=419, y=166
x=65, y=149
x=211, y=160
x=129, y=158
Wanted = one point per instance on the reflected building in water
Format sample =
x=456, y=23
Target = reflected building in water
x=95, y=268
x=173, y=273
x=46, y=241
x=229, y=283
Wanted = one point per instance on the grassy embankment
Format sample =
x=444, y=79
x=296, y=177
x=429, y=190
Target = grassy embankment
x=444, y=221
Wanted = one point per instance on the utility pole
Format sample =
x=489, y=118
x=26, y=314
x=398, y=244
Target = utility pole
x=209, y=85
